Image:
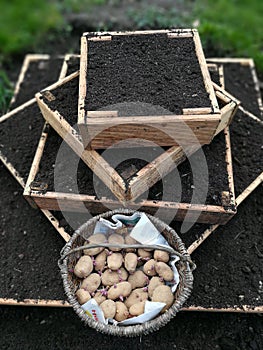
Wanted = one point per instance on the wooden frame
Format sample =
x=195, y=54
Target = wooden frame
x=103, y=129
x=74, y=202
x=147, y=176
x=27, y=61
x=63, y=303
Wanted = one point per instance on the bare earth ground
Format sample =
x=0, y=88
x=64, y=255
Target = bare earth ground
x=46, y=328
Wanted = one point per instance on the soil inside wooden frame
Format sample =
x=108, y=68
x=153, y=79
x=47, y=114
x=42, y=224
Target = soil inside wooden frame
x=17, y=245
x=147, y=68
x=214, y=153
x=241, y=81
x=20, y=149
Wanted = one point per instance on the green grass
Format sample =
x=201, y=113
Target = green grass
x=6, y=92
x=233, y=27
x=156, y=17
x=77, y=6
x=24, y=22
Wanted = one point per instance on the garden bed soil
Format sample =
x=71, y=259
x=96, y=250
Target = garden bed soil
x=20, y=133
x=151, y=69
x=239, y=82
x=247, y=150
x=214, y=153
x=45, y=71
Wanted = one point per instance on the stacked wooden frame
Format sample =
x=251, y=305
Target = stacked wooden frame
x=63, y=303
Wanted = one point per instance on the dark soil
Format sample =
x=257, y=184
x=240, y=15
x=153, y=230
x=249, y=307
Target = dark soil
x=73, y=65
x=29, y=247
x=20, y=150
x=150, y=69
x=247, y=150
x=230, y=262
x=239, y=82
x=46, y=71
x=214, y=153
x=49, y=328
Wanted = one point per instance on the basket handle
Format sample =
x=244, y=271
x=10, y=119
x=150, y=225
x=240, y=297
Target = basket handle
x=123, y=246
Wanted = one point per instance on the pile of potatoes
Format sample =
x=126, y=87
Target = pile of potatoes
x=121, y=280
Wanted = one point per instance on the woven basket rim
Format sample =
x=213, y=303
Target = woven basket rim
x=132, y=330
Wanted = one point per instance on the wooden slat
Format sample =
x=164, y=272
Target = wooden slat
x=62, y=303
x=205, y=72
x=165, y=130
x=82, y=81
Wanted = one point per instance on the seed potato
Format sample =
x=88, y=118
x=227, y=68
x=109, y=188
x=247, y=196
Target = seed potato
x=138, y=279
x=114, y=261
x=135, y=297
x=137, y=309
x=100, y=261
x=83, y=296
x=120, y=290
x=154, y=283
x=161, y=255
x=122, y=312
x=83, y=267
x=109, y=308
x=149, y=268
x=130, y=262
x=115, y=239
x=163, y=294
x=164, y=271
x=91, y=283
x=97, y=238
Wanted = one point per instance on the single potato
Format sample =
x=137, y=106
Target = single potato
x=138, y=279
x=109, y=308
x=100, y=261
x=164, y=271
x=115, y=239
x=130, y=262
x=137, y=309
x=91, y=283
x=149, y=268
x=97, y=238
x=161, y=255
x=83, y=296
x=84, y=267
x=163, y=294
x=114, y=261
x=122, y=312
x=154, y=283
x=120, y=290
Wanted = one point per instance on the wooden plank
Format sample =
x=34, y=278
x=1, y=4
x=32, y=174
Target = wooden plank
x=82, y=81
x=102, y=114
x=229, y=165
x=64, y=69
x=79, y=203
x=205, y=72
x=65, y=304
x=248, y=309
x=197, y=111
x=165, y=130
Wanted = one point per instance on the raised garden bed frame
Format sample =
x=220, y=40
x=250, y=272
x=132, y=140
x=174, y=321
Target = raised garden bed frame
x=145, y=177
x=204, y=122
x=63, y=303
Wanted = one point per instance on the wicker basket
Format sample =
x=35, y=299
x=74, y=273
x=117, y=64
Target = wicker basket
x=71, y=282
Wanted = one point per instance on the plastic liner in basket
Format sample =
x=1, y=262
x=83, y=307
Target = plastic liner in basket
x=71, y=283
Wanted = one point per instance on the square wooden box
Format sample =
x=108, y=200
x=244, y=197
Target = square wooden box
x=108, y=114
x=64, y=122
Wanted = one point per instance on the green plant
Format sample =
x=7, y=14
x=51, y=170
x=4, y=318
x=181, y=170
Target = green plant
x=77, y=6
x=6, y=92
x=233, y=27
x=157, y=17
x=24, y=22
